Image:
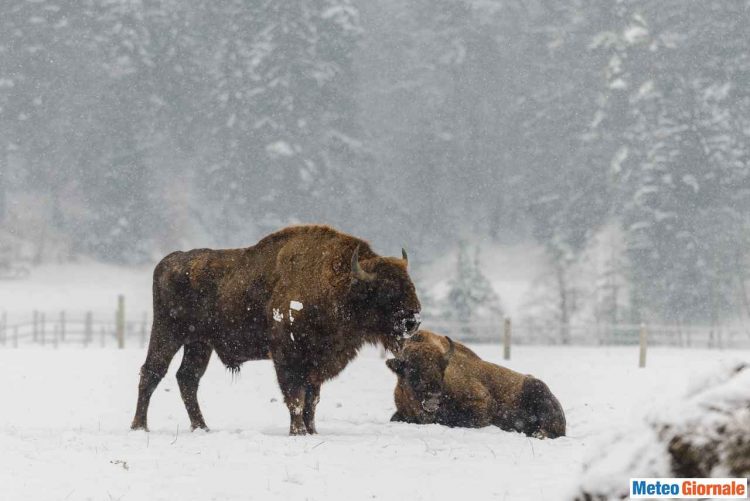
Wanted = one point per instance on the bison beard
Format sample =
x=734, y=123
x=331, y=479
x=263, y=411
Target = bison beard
x=308, y=297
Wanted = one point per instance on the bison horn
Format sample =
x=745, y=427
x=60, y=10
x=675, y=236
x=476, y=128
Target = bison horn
x=357, y=270
x=404, y=256
x=451, y=350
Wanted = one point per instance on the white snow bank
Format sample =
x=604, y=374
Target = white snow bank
x=692, y=434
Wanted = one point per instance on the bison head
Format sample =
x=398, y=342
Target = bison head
x=420, y=368
x=384, y=302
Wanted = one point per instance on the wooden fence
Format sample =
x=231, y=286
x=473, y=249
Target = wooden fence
x=641, y=335
x=66, y=328
x=526, y=332
x=90, y=329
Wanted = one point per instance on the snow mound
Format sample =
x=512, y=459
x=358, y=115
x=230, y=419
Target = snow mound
x=705, y=434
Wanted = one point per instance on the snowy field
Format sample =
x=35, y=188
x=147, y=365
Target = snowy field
x=78, y=287
x=65, y=416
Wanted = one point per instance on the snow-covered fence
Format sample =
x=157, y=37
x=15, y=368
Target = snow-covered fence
x=527, y=332
x=507, y=326
x=115, y=329
x=699, y=336
x=643, y=346
x=66, y=328
x=485, y=331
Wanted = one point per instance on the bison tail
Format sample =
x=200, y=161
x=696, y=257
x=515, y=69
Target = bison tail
x=544, y=414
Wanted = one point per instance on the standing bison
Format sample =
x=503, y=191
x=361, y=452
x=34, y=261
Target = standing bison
x=440, y=381
x=307, y=296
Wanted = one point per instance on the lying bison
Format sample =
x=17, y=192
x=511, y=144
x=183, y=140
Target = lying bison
x=444, y=382
x=307, y=296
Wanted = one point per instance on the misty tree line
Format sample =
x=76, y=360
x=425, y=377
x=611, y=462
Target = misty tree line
x=140, y=121
x=132, y=127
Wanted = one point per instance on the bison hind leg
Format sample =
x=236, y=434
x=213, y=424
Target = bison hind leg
x=194, y=362
x=162, y=348
x=399, y=417
x=148, y=382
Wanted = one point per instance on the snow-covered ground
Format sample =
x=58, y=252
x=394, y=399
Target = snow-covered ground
x=703, y=433
x=65, y=415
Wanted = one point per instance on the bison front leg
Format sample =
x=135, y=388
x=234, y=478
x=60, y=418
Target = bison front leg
x=312, y=397
x=398, y=418
x=294, y=389
x=295, y=402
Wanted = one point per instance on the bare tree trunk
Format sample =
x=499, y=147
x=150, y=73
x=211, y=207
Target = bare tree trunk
x=741, y=278
x=564, y=303
x=3, y=183
x=41, y=242
x=614, y=288
x=743, y=290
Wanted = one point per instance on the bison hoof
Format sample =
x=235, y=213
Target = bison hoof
x=202, y=427
x=138, y=426
x=295, y=432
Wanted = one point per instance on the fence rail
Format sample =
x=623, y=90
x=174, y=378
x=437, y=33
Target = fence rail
x=525, y=332
x=86, y=329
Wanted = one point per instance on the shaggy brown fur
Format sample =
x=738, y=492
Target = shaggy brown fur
x=441, y=381
x=307, y=296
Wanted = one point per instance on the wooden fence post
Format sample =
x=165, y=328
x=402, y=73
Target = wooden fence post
x=62, y=326
x=506, y=338
x=88, y=328
x=120, y=322
x=34, y=325
x=643, y=340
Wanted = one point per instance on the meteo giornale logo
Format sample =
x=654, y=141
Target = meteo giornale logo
x=688, y=488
